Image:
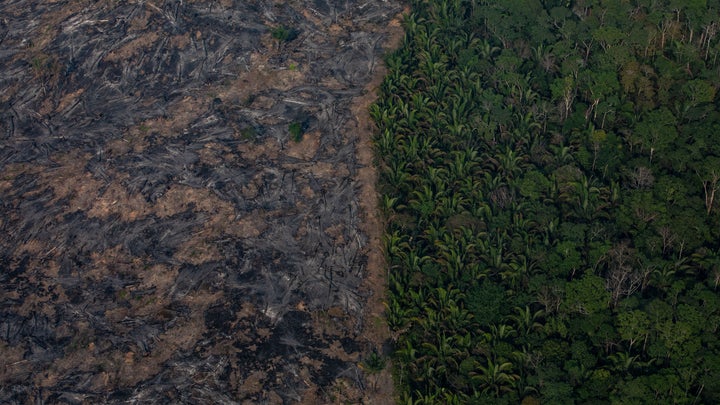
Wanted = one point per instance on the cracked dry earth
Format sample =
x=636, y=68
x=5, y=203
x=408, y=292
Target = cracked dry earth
x=164, y=238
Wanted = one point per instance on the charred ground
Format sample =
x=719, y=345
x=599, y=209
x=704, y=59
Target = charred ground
x=167, y=237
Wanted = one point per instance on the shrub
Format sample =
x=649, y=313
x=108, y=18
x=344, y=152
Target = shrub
x=296, y=131
x=284, y=34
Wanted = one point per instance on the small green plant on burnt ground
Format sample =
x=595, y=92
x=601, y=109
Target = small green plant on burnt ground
x=373, y=365
x=296, y=131
x=283, y=34
x=249, y=133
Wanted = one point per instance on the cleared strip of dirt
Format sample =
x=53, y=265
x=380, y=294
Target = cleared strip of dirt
x=375, y=328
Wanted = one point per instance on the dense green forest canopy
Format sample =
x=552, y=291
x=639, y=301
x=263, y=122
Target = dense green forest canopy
x=550, y=177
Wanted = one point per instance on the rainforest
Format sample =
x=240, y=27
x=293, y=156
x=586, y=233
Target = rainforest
x=549, y=177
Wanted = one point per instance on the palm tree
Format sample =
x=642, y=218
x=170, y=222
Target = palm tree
x=426, y=323
x=424, y=202
x=449, y=206
x=397, y=175
x=487, y=51
x=418, y=296
x=440, y=352
x=387, y=206
x=664, y=276
x=526, y=321
x=438, y=89
x=463, y=163
x=496, y=259
x=496, y=378
x=509, y=163
x=395, y=246
x=395, y=315
x=459, y=320
x=453, y=262
x=563, y=154
x=622, y=362
x=518, y=271
x=438, y=178
x=434, y=232
x=443, y=298
x=412, y=261
x=501, y=332
x=586, y=196
x=549, y=232
x=386, y=144
x=407, y=116
x=410, y=147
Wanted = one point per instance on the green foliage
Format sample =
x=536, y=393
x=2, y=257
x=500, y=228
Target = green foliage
x=549, y=173
x=284, y=34
x=296, y=131
x=586, y=295
x=249, y=133
x=633, y=326
x=487, y=302
x=374, y=363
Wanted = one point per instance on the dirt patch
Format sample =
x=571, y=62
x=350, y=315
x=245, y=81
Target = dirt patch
x=375, y=329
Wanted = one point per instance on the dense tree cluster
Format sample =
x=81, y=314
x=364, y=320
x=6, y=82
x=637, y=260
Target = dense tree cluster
x=550, y=176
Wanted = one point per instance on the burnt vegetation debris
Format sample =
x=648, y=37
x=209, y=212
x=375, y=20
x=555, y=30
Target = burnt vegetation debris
x=165, y=239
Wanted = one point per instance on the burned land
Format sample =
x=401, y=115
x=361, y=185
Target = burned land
x=186, y=200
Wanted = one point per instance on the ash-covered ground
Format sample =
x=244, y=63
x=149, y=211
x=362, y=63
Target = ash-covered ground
x=186, y=201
